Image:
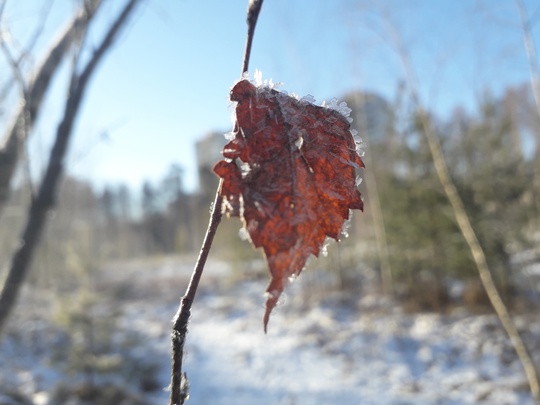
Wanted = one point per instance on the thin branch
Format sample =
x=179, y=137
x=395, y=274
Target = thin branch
x=179, y=382
x=2, y=8
x=15, y=66
x=25, y=53
x=11, y=147
x=24, y=128
x=254, y=8
x=45, y=199
x=45, y=12
x=531, y=53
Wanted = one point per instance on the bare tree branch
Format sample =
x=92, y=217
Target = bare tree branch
x=2, y=8
x=14, y=65
x=16, y=135
x=531, y=53
x=38, y=30
x=46, y=197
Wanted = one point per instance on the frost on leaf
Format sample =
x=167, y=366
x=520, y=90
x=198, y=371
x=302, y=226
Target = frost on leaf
x=301, y=182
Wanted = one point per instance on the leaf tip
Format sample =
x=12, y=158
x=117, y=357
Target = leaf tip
x=272, y=297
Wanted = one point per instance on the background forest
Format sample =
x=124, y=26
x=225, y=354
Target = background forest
x=92, y=321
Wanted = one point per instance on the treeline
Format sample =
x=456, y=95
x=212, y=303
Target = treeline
x=494, y=159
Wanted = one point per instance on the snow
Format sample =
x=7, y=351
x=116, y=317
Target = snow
x=328, y=348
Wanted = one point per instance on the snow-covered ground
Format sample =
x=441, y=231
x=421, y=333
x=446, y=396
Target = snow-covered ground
x=347, y=348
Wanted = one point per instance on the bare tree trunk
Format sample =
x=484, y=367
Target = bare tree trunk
x=478, y=255
x=33, y=95
x=46, y=196
x=471, y=238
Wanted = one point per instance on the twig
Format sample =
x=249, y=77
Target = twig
x=45, y=199
x=14, y=64
x=531, y=53
x=2, y=7
x=254, y=9
x=23, y=126
x=179, y=382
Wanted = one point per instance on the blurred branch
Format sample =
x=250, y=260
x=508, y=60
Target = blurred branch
x=14, y=65
x=17, y=134
x=45, y=199
x=531, y=53
x=375, y=203
x=17, y=73
x=2, y=8
x=38, y=30
x=465, y=225
x=179, y=382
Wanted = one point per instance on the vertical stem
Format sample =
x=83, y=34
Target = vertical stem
x=254, y=9
x=531, y=53
x=179, y=382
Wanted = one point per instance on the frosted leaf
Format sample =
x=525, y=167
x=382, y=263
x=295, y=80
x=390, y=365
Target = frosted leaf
x=282, y=139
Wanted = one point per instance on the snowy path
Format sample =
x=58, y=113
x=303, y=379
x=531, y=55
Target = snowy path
x=333, y=355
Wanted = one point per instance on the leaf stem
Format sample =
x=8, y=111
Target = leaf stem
x=179, y=382
x=254, y=9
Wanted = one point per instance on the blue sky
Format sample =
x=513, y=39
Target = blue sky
x=166, y=82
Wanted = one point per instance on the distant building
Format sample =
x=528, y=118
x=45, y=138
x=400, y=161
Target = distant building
x=372, y=115
x=208, y=151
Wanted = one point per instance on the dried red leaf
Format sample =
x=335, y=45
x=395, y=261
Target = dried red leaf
x=290, y=174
